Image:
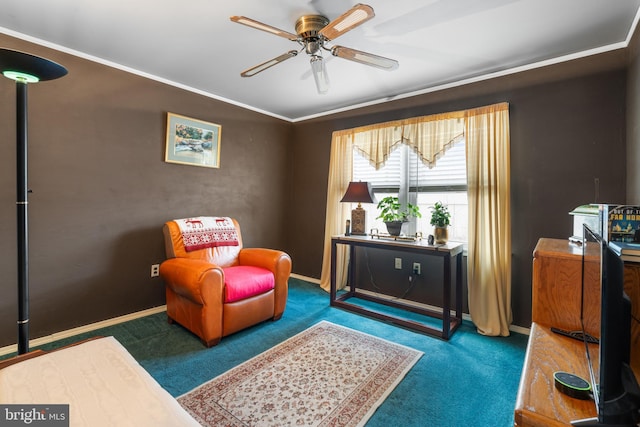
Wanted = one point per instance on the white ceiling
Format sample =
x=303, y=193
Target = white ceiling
x=438, y=43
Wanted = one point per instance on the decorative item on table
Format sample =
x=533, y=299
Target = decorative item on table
x=440, y=219
x=584, y=214
x=375, y=234
x=394, y=215
x=624, y=230
x=358, y=192
x=623, y=223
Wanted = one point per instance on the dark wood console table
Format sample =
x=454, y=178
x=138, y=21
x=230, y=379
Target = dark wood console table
x=447, y=251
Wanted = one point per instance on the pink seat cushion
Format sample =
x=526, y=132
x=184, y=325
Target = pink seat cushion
x=245, y=281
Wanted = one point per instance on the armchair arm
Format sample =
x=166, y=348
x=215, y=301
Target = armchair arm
x=198, y=280
x=278, y=262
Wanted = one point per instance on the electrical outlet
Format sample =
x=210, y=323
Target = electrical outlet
x=155, y=270
x=398, y=263
x=416, y=268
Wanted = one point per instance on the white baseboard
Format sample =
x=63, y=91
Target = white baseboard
x=520, y=329
x=131, y=316
x=85, y=328
x=305, y=278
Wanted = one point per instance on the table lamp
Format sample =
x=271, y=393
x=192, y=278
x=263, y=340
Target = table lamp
x=358, y=192
x=24, y=69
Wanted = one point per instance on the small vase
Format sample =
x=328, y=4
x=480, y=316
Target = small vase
x=441, y=235
x=394, y=227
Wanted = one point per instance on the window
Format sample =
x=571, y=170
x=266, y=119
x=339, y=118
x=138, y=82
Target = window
x=405, y=176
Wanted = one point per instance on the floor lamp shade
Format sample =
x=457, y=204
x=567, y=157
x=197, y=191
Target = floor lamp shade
x=358, y=192
x=24, y=68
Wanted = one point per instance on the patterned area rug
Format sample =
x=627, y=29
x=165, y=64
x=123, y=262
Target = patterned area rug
x=327, y=375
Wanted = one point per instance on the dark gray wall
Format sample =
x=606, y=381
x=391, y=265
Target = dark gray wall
x=567, y=128
x=101, y=190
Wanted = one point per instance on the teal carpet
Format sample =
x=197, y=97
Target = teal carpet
x=471, y=380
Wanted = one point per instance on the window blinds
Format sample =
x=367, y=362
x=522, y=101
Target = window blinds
x=449, y=171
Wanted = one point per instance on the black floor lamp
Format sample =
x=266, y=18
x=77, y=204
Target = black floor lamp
x=24, y=69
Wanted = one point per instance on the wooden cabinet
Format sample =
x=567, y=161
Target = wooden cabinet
x=557, y=286
x=556, y=295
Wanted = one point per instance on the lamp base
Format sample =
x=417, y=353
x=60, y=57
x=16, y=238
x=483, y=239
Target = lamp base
x=359, y=221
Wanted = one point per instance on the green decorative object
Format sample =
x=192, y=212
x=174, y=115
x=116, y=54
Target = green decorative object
x=440, y=219
x=394, y=215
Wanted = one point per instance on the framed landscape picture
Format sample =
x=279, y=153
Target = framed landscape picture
x=192, y=142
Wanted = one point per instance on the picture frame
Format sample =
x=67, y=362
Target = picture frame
x=192, y=142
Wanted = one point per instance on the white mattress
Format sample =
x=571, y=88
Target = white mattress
x=102, y=383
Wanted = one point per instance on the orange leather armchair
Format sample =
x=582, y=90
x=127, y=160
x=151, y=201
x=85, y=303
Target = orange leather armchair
x=216, y=291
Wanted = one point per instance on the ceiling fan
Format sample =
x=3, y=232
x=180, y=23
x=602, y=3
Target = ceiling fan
x=313, y=32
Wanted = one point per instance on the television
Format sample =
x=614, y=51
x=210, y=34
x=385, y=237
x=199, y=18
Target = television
x=615, y=390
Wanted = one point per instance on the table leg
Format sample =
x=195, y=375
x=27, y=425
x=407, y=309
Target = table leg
x=352, y=269
x=332, y=293
x=459, y=287
x=446, y=298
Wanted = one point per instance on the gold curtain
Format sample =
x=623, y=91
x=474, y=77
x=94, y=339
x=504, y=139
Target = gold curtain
x=340, y=172
x=488, y=187
x=429, y=136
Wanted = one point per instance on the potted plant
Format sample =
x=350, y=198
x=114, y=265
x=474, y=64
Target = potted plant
x=440, y=219
x=393, y=215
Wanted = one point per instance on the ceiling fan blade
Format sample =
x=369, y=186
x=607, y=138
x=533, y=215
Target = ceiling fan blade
x=355, y=16
x=250, y=72
x=364, y=58
x=264, y=27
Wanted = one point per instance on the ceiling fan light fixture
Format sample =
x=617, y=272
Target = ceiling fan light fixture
x=312, y=32
x=312, y=47
x=320, y=75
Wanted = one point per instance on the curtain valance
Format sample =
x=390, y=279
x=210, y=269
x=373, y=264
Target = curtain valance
x=429, y=136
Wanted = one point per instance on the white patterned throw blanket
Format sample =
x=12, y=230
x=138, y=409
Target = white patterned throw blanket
x=207, y=232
